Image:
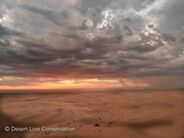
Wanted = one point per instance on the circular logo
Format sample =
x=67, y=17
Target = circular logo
x=6, y=128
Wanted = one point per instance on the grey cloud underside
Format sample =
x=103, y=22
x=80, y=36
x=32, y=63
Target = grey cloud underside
x=95, y=38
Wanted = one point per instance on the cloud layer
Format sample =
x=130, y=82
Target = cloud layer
x=105, y=39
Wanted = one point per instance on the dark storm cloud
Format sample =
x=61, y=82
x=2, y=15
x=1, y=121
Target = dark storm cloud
x=91, y=38
x=57, y=17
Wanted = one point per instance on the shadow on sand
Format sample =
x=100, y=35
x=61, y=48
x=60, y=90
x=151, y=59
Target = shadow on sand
x=6, y=120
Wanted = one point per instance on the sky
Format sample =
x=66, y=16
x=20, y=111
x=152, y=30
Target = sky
x=53, y=44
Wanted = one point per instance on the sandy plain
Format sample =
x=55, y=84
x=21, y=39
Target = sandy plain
x=99, y=114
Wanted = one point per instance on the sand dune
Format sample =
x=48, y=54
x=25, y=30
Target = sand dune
x=148, y=114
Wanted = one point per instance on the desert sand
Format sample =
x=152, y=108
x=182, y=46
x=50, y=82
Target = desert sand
x=100, y=114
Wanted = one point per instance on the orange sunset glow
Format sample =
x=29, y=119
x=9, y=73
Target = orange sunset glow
x=79, y=84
